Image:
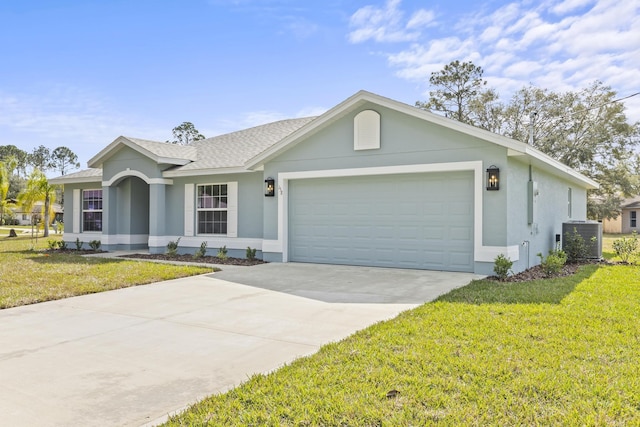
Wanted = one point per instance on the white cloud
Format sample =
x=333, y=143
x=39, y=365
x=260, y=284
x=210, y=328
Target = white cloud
x=569, y=6
x=556, y=44
x=387, y=24
x=422, y=18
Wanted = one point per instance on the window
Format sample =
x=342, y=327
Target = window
x=211, y=205
x=92, y=210
x=633, y=219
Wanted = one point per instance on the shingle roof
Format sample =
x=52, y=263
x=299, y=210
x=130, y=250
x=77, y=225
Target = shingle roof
x=231, y=150
x=631, y=203
x=165, y=149
x=85, y=175
x=234, y=149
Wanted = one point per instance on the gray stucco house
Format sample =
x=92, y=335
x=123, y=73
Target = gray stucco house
x=370, y=182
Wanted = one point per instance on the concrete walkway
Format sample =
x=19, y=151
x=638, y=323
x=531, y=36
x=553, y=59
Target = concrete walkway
x=129, y=357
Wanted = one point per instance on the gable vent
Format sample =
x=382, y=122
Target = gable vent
x=366, y=130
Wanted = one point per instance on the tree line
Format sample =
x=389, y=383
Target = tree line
x=586, y=129
x=29, y=188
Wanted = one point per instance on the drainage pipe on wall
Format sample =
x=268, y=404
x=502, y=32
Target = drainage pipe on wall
x=526, y=243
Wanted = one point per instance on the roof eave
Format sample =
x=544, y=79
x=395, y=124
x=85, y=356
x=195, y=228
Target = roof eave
x=61, y=180
x=200, y=172
x=172, y=161
x=543, y=161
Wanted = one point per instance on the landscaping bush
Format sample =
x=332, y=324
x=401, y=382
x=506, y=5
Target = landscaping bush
x=575, y=247
x=222, y=253
x=172, y=247
x=626, y=247
x=502, y=267
x=95, y=244
x=52, y=244
x=553, y=263
x=62, y=245
x=79, y=244
x=202, y=251
x=251, y=253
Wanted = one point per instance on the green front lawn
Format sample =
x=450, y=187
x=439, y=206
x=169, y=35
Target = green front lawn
x=30, y=276
x=550, y=352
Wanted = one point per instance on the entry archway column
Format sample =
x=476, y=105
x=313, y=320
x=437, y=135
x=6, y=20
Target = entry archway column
x=157, y=211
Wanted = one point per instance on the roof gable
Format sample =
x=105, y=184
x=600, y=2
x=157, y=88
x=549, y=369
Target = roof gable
x=159, y=152
x=515, y=148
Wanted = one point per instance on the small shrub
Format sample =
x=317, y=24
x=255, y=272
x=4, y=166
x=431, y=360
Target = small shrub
x=79, y=244
x=95, y=244
x=575, y=246
x=626, y=247
x=553, y=263
x=172, y=247
x=202, y=251
x=62, y=245
x=52, y=244
x=222, y=253
x=502, y=266
x=251, y=253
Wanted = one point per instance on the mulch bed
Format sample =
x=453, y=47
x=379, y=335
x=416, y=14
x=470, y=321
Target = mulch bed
x=190, y=258
x=536, y=272
x=533, y=273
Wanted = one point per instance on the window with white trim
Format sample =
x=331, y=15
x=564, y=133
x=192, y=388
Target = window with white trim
x=92, y=210
x=211, y=207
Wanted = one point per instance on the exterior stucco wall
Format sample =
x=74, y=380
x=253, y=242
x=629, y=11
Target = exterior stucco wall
x=127, y=158
x=69, y=207
x=133, y=207
x=551, y=209
x=250, y=195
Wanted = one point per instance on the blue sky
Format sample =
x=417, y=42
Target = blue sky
x=81, y=73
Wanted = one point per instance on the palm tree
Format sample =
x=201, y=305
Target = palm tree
x=6, y=169
x=39, y=190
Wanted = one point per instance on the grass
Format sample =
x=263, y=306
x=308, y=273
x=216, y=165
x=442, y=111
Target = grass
x=549, y=352
x=31, y=276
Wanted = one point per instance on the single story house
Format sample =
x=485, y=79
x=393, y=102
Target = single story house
x=17, y=215
x=628, y=221
x=371, y=182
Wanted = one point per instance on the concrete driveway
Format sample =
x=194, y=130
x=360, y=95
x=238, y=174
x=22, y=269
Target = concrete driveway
x=129, y=357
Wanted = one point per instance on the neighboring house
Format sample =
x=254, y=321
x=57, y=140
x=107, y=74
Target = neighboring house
x=24, y=217
x=370, y=182
x=628, y=221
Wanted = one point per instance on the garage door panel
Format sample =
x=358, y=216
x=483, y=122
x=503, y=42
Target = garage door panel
x=433, y=258
x=460, y=259
x=460, y=233
x=395, y=220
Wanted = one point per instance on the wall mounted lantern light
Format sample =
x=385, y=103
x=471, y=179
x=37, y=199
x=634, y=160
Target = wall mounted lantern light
x=493, y=178
x=269, y=187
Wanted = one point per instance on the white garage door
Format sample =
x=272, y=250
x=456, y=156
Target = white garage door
x=422, y=221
